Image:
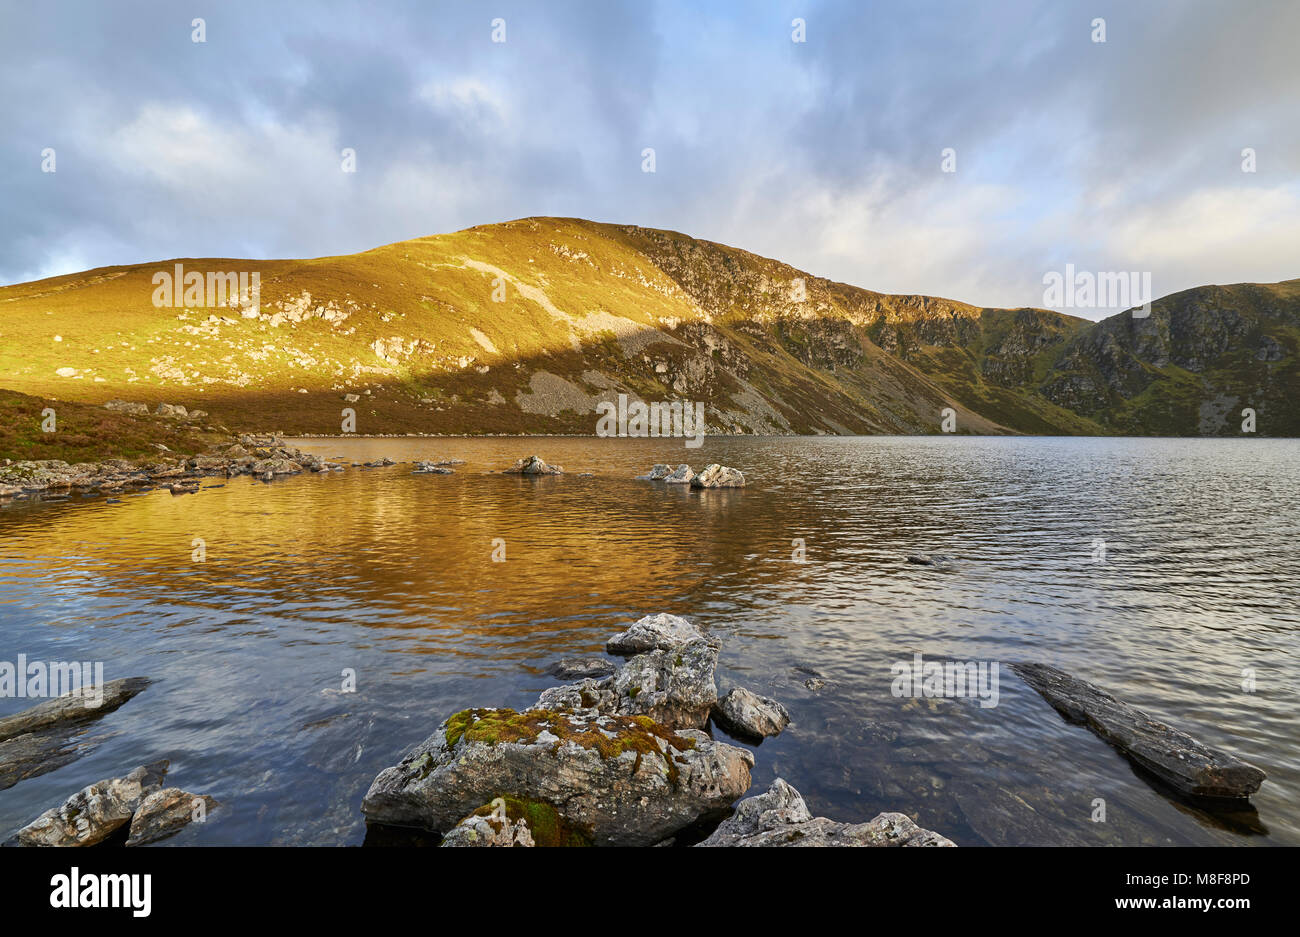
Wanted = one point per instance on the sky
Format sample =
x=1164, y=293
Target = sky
x=828, y=153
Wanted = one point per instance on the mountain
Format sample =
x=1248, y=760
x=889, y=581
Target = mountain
x=524, y=327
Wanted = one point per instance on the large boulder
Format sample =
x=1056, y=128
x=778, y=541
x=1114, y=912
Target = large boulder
x=657, y=473
x=660, y=631
x=779, y=817
x=718, y=476
x=276, y=465
x=94, y=813
x=172, y=411
x=533, y=465
x=611, y=780
x=674, y=687
x=748, y=716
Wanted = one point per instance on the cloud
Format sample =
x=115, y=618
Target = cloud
x=824, y=154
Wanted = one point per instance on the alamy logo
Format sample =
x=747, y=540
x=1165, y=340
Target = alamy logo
x=216, y=288
x=947, y=679
x=643, y=420
x=39, y=679
x=75, y=890
x=1106, y=290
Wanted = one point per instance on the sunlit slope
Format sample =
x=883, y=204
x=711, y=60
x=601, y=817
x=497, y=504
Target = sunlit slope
x=526, y=326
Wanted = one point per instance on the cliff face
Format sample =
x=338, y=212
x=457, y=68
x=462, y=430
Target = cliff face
x=526, y=326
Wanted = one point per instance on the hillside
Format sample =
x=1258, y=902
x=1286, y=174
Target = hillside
x=591, y=310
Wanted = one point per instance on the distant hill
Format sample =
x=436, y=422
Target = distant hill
x=591, y=310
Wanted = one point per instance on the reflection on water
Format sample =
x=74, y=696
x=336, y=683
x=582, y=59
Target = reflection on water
x=391, y=575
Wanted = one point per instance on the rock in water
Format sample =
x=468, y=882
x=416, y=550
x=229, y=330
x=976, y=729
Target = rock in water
x=681, y=476
x=780, y=817
x=533, y=465
x=72, y=708
x=490, y=826
x=94, y=813
x=1173, y=756
x=658, y=473
x=747, y=715
x=660, y=631
x=674, y=687
x=611, y=780
x=718, y=476
x=580, y=668
x=164, y=813
x=937, y=560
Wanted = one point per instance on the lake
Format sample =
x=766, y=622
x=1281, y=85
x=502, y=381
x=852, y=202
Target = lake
x=1164, y=570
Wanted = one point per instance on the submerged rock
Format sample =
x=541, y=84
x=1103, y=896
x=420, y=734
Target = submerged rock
x=94, y=813
x=1174, y=757
x=658, y=473
x=533, y=465
x=164, y=813
x=490, y=826
x=718, y=476
x=674, y=687
x=780, y=817
x=431, y=468
x=660, y=631
x=611, y=780
x=937, y=560
x=579, y=668
x=747, y=715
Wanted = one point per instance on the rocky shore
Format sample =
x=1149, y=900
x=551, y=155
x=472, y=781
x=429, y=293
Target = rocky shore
x=623, y=759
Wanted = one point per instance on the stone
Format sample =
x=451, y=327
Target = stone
x=673, y=687
x=494, y=828
x=682, y=475
x=937, y=560
x=747, y=715
x=661, y=630
x=533, y=465
x=430, y=468
x=164, y=813
x=718, y=476
x=1174, y=757
x=171, y=411
x=579, y=668
x=658, y=473
x=779, y=817
x=73, y=708
x=124, y=406
x=603, y=780
x=94, y=813
x=275, y=466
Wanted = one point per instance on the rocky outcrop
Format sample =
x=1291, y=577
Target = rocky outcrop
x=94, y=813
x=674, y=687
x=779, y=817
x=533, y=465
x=1177, y=759
x=659, y=631
x=745, y=715
x=611, y=780
x=718, y=476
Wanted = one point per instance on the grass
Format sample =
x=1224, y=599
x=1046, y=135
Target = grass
x=88, y=433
